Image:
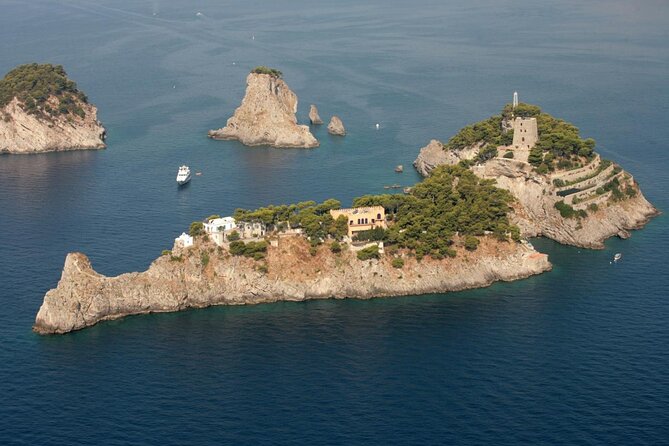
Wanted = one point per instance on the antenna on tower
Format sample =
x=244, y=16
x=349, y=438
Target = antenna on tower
x=515, y=99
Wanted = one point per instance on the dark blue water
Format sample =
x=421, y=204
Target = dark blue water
x=575, y=356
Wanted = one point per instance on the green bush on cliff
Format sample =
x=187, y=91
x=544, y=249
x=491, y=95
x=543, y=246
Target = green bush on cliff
x=267, y=70
x=471, y=243
x=33, y=85
x=196, y=228
x=255, y=250
x=398, y=263
x=368, y=253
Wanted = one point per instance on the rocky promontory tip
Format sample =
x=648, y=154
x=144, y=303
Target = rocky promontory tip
x=41, y=110
x=266, y=115
x=314, y=117
x=336, y=127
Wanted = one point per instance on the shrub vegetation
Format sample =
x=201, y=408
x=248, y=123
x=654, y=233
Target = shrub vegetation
x=33, y=85
x=267, y=70
x=255, y=250
x=368, y=253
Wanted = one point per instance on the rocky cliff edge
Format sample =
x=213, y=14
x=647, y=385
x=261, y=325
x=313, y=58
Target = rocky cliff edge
x=206, y=275
x=21, y=132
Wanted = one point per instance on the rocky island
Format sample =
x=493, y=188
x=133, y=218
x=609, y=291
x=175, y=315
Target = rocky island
x=266, y=115
x=450, y=233
x=563, y=189
x=41, y=110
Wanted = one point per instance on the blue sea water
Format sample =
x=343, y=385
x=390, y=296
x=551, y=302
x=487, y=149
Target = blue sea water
x=575, y=356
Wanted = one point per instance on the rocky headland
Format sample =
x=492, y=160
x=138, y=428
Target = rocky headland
x=266, y=115
x=568, y=194
x=41, y=110
x=205, y=275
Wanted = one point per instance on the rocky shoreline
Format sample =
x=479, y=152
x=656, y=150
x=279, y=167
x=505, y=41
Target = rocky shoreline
x=206, y=275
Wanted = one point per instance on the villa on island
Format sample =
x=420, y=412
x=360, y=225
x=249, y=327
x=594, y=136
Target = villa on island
x=219, y=229
x=362, y=219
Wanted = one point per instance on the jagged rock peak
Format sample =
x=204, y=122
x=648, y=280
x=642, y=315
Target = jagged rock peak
x=266, y=115
x=314, y=117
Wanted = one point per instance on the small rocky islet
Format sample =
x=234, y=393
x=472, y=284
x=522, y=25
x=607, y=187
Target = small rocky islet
x=42, y=110
x=515, y=175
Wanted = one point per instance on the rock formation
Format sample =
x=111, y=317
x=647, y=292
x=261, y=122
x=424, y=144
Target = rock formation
x=314, y=117
x=535, y=212
x=336, y=127
x=83, y=297
x=536, y=215
x=42, y=111
x=266, y=116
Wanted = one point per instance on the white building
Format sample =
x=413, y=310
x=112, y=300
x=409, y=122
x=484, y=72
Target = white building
x=183, y=241
x=217, y=228
x=220, y=225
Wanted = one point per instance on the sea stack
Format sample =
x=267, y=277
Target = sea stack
x=266, y=115
x=41, y=110
x=336, y=127
x=314, y=116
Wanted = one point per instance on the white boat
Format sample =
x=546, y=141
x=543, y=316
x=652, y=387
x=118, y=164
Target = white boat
x=183, y=176
x=617, y=257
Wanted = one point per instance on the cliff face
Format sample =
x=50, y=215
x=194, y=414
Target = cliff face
x=266, y=116
x=21, y=132
x=536, y=215
x=84, y=297
x=536, y=195
x=434, y=155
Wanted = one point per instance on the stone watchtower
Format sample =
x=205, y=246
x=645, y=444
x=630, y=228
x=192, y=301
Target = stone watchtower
x=525, y=133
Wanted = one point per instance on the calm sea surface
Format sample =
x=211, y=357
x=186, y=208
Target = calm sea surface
x=575, y=356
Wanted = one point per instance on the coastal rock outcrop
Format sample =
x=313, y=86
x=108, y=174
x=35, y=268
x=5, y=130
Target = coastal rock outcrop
x=562, y=188
x=41, y=110
x=535, y=212
x=536, y=196
x=266, y=116
x=336, y=127
x=291, y=273
x=314, y=117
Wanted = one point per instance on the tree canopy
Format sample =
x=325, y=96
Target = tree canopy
x=267, y=70
x=34, y=84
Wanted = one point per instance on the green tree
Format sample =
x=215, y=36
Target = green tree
x=471, y=243
x=368, y=253
x=196, y=228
